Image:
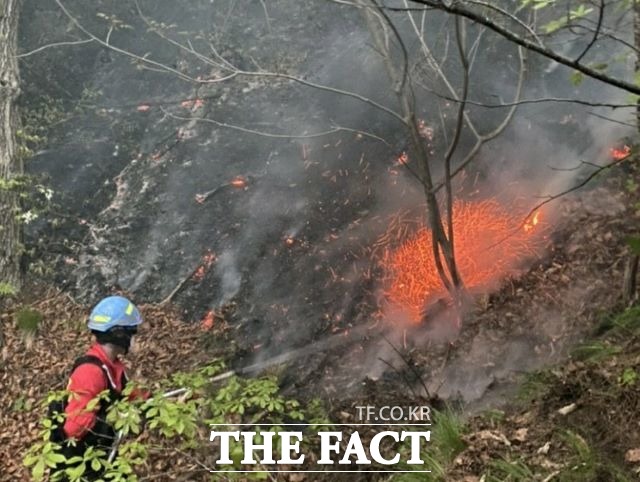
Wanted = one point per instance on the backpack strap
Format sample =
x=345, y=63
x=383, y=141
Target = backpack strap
x=94, y=360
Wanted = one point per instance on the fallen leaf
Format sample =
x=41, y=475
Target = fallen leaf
x=520, y=435
x=566, y=410
x=632, y=456
x=544, y=450
x=493, y=435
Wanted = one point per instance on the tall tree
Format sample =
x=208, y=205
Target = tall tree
x=11, y=167
x=631, y=268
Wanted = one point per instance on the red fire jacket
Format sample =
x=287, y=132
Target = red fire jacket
x=86, y=382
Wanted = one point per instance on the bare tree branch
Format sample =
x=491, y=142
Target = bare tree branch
x=554, y=197
x=460, y=41
x=595, y=34
x=482, y=139
x=275, y=135
x=234, y=73
x=541, y=100
x=458, y=8
x=325, y=88
x=160, y=66
x=407, y=382
x=224, y=64
x=266, y=14
x=411, y=367
x=52, y=45
x=510, y=16
x=615, y=121
x=436, y=67
x=606, y=33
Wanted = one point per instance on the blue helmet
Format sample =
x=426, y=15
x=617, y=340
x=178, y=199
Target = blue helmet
x=114, y=311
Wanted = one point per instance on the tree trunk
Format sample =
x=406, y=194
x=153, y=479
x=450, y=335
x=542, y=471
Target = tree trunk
x=636, y=41
x=442, y=246
x=10, y=163
x=631, y=267
x=629, y=281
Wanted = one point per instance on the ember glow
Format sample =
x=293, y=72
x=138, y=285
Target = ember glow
x=531, y=222
x=619, y=154
x=238, y=182
x=207, y=320
x=193, y=104
x=207, y=260
x=402, y=159
x=490, y=243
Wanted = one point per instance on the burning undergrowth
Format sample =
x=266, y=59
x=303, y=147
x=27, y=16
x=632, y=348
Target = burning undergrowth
x=530, y=321
x=491, y=242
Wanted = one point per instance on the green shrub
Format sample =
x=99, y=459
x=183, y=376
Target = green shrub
x=178, y=421
x=28, y=320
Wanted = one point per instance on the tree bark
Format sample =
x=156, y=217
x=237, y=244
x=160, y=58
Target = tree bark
x=636, y=42
x=10, y=163
x=630, y=279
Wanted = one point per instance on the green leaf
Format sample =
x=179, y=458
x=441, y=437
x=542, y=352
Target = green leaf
x=576, y=78
x=554, y=25
x=629, y=377
x=581, y=11
x=7, y=289
x=56, y=458
x=29, y=460
x=38, y=471
x=152, y=412
x=75, y=473
x=96, y=465
x=539, y=4
x=634, y=244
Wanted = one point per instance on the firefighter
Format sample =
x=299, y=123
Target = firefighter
x=114, y=321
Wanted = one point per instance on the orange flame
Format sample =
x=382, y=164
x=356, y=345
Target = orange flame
x=532, y=222
x=207, y=320
x=619, y=154
x=238, y=182
x=489, y=245
x=193, y=104
x=402, y=159
x=207, y=260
